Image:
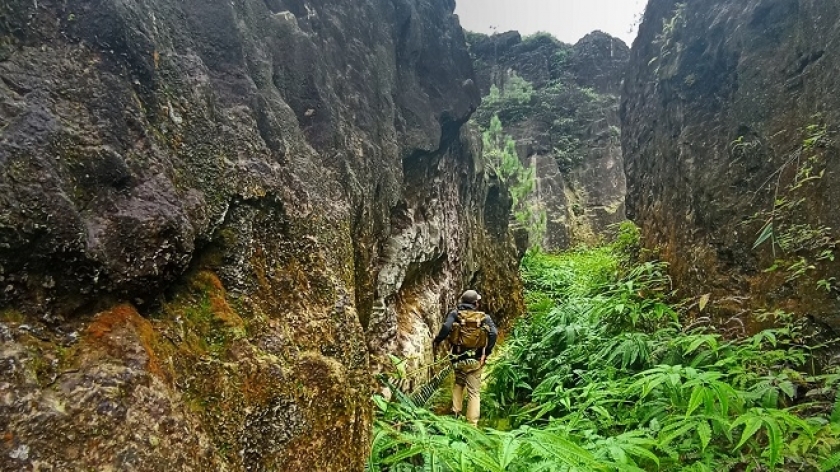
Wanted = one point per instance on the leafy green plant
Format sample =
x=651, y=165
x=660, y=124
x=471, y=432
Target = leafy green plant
x=602, y=375
x=539, y=36
x=413, y=439
x=797, y=245
x=512, y=98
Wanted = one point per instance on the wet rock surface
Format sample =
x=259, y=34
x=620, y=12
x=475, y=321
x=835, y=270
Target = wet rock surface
x=729, y=121
x=217, y=217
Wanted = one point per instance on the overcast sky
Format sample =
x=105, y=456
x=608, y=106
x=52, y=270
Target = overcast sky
x=568, y=20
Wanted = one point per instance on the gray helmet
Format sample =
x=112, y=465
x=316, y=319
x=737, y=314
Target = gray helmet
x=470, y=296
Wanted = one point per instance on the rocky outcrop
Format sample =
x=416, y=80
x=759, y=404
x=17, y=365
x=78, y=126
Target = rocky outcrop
x=567, y=129
x=216, y=217
x=729, y=122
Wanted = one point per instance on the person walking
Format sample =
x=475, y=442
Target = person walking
x=472, y=335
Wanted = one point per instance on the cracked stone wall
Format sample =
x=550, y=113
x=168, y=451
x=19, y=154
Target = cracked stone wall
x=729, y=122
x=217, y=218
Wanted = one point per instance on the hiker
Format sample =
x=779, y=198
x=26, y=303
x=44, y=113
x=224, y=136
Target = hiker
x=472, y=335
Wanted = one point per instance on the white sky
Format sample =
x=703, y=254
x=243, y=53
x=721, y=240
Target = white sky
x=567, y=20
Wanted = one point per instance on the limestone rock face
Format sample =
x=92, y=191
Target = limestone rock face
x=729, y=121
x=568, y=131
x=217, y=217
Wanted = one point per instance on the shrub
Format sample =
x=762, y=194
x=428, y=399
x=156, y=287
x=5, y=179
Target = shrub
x=601, y=375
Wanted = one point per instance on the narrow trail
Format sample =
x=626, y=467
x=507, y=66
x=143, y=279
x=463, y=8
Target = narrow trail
x=422, y=394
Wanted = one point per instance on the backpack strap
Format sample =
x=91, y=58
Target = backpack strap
x=486, y=336
x=456, y=347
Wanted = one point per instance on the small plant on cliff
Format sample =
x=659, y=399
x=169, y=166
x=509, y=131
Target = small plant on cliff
x=573, y=116
x=540, y=37
x=798, y=244
x=500, y=154
x=667, y=39
x=474, y=38
x=510, y=96
x=512, y=89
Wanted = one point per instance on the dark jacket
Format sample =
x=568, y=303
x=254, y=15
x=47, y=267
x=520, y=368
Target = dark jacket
x=447, y=328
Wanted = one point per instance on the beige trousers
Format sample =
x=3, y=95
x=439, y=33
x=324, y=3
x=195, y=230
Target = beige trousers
x=471, y=380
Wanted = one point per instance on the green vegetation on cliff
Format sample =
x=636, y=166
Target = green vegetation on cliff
x=559, y=103
x=561, y=112
x=499, y=151
x=534, y=90
x=726, y=132
x=604, y=375
x=802, y=247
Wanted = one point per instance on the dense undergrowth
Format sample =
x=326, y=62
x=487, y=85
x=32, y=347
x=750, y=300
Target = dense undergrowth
x=602, y=375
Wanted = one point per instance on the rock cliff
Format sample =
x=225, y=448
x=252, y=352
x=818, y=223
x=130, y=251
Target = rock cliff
x=564, y=118
x=729, y=121
x=216, y=217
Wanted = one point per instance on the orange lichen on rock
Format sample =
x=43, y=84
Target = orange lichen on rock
x=109, y=330
x=207, y=321
x=257, y=388
x=107, y=321
x=207, y=282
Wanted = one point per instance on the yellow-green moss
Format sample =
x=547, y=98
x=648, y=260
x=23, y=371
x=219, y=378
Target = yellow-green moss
x=11, y=316
x=209, y=322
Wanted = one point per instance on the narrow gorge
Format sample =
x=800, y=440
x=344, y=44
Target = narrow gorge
x=222, y=223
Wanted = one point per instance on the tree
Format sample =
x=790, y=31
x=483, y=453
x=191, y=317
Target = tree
x=500, y=154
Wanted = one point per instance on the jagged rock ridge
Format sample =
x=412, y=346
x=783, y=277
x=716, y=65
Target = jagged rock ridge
x=568, y=129
x=216, y=217
x=729, y=122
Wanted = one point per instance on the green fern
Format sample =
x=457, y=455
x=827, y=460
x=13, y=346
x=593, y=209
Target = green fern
x=831, y=463
x=602, y=376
